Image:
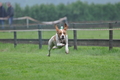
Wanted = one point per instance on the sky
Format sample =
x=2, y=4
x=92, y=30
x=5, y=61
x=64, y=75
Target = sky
x=33, y=2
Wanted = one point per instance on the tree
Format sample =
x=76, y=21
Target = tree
x=76, y=11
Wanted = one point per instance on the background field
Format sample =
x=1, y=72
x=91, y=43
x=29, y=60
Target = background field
x=46, y=35
x=27, y=62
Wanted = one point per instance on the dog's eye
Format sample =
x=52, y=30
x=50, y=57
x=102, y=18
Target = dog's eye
x=60, y=33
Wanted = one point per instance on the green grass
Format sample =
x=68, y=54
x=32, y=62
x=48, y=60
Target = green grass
x=27, y=62
x=48, y=34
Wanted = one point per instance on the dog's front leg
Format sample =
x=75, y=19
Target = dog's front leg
x=66, y=46
x=66, y=49
x=60, y=44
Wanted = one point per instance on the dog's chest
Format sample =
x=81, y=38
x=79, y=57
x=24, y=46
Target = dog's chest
x=62, y=41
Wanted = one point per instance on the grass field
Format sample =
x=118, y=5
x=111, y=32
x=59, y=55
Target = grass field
x=27, y=62
x=46, y=35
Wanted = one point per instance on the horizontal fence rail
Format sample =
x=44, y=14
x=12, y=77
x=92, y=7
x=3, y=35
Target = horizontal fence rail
x=80, y=42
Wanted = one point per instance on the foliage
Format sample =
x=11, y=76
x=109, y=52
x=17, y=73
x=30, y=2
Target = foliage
x=76, y=11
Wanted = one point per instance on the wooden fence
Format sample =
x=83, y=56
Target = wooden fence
x=72, y=42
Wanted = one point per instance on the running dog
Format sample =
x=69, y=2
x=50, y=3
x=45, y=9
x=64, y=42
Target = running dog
x=59, y=40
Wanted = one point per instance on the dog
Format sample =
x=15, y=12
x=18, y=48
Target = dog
x=59, y=40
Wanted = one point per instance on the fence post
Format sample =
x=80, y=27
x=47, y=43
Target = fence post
x=40, y=37
x=27, y=20
x=110, y=36
x=15, y=38
x=75, y=37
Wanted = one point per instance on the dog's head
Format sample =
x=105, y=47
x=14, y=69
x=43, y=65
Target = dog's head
x=62, y=32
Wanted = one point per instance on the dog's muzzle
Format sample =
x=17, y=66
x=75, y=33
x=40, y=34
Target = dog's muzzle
x=63, y=37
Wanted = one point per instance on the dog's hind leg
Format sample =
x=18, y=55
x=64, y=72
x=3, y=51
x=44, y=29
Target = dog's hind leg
x=50, y=46
x=49, y=49
x=48, y=54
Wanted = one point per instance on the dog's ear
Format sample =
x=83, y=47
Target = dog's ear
x=56, y=27
x=65, y=26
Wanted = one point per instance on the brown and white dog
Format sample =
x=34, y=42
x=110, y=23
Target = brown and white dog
x=59, y=40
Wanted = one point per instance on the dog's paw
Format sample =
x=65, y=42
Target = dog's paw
x=48, y=55
x=54, y=47
x=63, y=44
x=67, y=52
